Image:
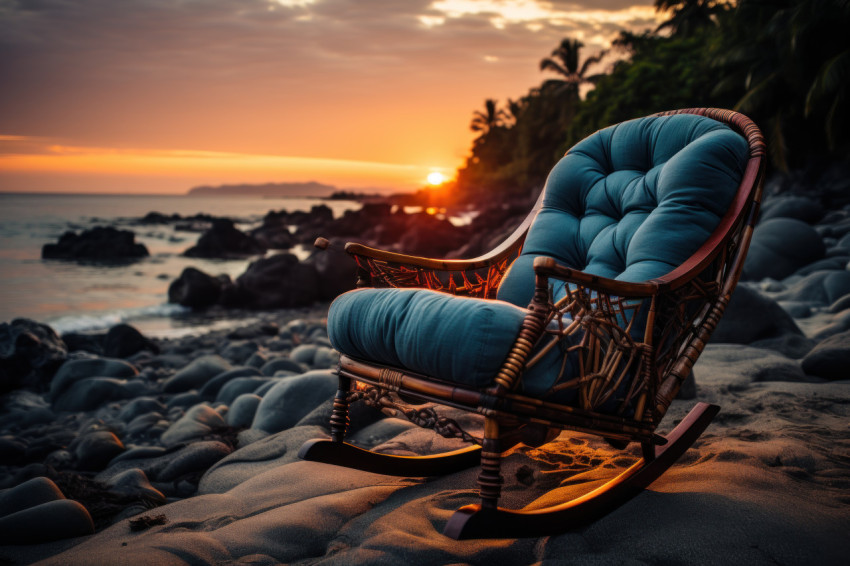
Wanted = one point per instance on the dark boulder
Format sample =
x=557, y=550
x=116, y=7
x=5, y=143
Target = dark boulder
x=800, y=208
x=830, y=359
x=751, y=316
x=155, y=217
x=336, y=270
x=77, y=341
x=195, y=289
x=30, y=353
x=100, y=244
x=123, y=340
x=781, y=246
x=429, y=236
x=279, y=281
x=224, y=240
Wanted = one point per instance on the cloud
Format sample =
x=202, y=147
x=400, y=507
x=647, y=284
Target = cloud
x=342, y=79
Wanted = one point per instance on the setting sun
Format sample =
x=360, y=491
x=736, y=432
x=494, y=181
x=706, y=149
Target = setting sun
x=436, y=178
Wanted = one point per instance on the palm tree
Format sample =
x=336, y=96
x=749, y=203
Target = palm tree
x=688, y=15
x=788, y=62
x=564, y=61
x=490, y=118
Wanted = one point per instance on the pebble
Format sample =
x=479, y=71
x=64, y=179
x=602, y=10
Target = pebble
x=198, y=421
x=134, y=482
x=293, y=398
x=54, y=520
x=196, y=374
x=242, y=410
x=238, y=386
x=829, y=359
x=92, y=392
x=781, y=246
x=28, y=494
x=95, y=450
x=277, y=364
x=195, y=457
x=75, y=370
x=213, y=386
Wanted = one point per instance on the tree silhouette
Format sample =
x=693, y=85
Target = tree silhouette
x=485, y=121
x=564, y=61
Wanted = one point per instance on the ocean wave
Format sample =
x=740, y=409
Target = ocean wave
x=108, y=319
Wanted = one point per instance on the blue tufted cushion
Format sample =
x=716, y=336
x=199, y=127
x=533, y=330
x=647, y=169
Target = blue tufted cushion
x=633, y=201
x=453, y=338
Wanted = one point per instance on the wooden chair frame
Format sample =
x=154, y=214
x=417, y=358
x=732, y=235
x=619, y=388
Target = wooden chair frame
x=655, y=350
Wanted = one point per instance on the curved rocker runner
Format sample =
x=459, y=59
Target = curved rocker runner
x=588, y=318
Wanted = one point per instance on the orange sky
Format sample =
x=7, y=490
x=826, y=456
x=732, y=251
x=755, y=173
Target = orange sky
x=159, y=96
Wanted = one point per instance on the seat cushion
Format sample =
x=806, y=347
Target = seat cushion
x=452, y=338
x=633, y=201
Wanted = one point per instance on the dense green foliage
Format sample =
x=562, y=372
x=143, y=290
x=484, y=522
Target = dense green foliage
x=784, y=63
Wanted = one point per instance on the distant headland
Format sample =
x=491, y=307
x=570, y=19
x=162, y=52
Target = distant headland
x=309, y=189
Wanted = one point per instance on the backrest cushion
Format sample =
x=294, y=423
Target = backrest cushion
x=633, y=201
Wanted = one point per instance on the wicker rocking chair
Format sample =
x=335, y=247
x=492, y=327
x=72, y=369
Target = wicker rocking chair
x=626, y=264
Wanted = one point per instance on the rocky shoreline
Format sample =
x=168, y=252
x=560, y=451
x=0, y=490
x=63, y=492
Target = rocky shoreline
x=184, y=450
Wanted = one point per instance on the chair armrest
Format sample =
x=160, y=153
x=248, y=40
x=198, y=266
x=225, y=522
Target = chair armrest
x=548, y=267
x=477, y=277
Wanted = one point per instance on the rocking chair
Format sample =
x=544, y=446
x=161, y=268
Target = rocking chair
x=626, y=264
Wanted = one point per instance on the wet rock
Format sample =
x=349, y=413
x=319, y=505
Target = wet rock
x=224, y=240
x=337, y=272
x=196, y=374
x=195, y=289
x=123, y=340
x=75, y=370
x=95, y=449
x=293, y=398
x=77, y=342
x=30, y=353
x=100, y=244
x=279, y=281
x=830, y=359
x=781, y=246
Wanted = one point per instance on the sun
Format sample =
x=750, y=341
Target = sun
x=435, y=178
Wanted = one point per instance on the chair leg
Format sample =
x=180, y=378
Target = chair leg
x=339, y=416
x=476, y=521
x=489, y=478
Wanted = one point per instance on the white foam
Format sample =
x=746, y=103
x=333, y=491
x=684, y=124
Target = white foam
x=108, y=319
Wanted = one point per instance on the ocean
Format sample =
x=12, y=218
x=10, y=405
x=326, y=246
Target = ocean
x=73, y=297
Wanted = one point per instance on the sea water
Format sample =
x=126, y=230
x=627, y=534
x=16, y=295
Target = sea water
x=78, y=297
